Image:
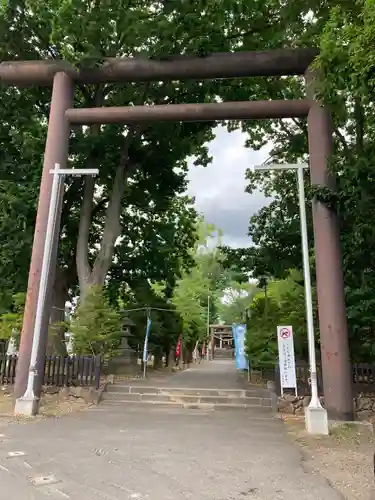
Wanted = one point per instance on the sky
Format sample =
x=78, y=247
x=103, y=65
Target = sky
x=219, y=189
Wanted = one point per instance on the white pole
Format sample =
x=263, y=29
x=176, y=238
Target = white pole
x=28, y=403
x=315, y=415
x=51, y=224
x=144, y=368
x=208, y=327
x=145, y=347
x=315, y=402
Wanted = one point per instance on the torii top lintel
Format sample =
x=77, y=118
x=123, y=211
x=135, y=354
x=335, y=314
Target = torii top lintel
x=220, y=65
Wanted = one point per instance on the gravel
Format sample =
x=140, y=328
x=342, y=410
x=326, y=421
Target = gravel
x=345, y=458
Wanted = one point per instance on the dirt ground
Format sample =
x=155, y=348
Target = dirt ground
x=51, y=406
x=345, y=458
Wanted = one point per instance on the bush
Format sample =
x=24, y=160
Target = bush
x=284, y=304
x=11, y=321
x=261, y=339
x=96, y=326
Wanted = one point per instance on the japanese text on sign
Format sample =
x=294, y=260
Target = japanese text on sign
x=286, y=357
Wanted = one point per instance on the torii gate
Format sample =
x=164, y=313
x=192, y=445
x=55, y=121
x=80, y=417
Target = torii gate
x=62, y=76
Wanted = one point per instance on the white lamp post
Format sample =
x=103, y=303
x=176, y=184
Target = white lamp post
x=28, y=404
x=315, y=415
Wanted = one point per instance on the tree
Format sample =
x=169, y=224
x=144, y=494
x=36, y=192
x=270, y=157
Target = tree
x=235, y=302
x=284, y=305
x=344, y=34
x=11, y=318
x=349, y=91
x=145, y=167
x=143, y=301
x=190, y=300
x=157, y=246
x=96, y=326
x=202, y=283
x=21, y=146
x=132, y=161
x=141, y=166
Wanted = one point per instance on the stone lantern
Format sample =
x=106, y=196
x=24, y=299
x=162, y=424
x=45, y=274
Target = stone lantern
x=125, y=358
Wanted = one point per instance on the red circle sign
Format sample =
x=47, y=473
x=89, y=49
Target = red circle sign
x=284, y=333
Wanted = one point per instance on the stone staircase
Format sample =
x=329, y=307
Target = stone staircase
x=222, y=353
x=124, y=395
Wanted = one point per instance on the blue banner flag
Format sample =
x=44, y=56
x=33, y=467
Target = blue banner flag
x=239, y=332
x=145, y=347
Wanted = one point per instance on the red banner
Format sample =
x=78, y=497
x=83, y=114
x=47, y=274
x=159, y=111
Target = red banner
x=178, y=348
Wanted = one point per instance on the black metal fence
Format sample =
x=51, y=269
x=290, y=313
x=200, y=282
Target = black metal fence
x=59, y=371
x=363, y=377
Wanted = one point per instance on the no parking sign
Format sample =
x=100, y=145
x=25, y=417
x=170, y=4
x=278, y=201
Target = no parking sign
x=287, y=362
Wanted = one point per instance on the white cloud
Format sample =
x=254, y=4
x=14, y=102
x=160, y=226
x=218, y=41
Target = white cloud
x=219, y=189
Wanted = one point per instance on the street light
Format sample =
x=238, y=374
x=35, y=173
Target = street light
x=28, y=404
x=315, y=415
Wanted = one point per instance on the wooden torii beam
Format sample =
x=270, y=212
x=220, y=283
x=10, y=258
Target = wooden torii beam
x=133, y=69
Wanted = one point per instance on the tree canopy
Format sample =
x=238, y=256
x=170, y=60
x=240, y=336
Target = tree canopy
x=196, y=296
x=235, y=302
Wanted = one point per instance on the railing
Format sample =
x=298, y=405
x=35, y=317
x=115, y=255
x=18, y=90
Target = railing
x=59, y=371
x=8, y=369
x=363, y=377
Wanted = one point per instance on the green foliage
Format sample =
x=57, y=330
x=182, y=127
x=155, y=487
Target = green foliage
x=21, y=150
x=345, y=33
x=199, y=288
x=11, y=320
x=261, y=341
x=167, y=239
x=96, y=326
x=166, y=322
x=156, y=223
x=235, y=302
x=157, y=226
x=190, y=299
x=283, y=304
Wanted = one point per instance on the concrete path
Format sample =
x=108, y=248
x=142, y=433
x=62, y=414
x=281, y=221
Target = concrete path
x=157, y=454
x=220, y=374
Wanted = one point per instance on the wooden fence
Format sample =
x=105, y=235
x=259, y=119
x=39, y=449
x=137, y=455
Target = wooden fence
x=58, y=371
x=363, y=378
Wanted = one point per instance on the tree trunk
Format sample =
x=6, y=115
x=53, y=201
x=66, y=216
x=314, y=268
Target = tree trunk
x=56, y=338
x=82, y=257
x=158, y=360
x=171, y=358
x=359, y=124
x=90, y=276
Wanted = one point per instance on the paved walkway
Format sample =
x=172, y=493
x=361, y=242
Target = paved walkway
x=220, y=374
x=157, y=454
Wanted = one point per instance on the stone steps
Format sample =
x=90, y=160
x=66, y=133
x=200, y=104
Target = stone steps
x=257, y=409
x=223, y=353
x=189, y=398
x=185, y=398
x=227, y=393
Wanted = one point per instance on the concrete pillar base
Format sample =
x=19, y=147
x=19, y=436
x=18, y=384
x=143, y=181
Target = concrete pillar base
x=316, y=420
x=27, y=406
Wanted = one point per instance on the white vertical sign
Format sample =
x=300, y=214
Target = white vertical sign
x=287, y=363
